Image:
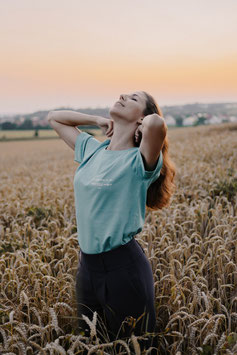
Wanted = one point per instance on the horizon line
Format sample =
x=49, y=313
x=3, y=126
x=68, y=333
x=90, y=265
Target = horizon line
x=107, y=107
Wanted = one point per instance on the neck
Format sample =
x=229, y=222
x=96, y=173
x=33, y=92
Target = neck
x=123, y=136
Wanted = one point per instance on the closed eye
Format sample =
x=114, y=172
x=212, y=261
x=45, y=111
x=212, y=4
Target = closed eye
x=134, y=99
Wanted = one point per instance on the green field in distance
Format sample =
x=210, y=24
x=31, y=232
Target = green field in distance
x=6, y=135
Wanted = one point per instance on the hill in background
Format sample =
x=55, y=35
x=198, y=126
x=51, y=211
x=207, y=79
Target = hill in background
x=177, y=115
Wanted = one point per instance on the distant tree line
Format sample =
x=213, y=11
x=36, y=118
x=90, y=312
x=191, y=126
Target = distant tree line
x=28, y=125
x=179, y=112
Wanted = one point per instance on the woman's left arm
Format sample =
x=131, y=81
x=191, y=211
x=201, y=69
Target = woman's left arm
x=153, y=129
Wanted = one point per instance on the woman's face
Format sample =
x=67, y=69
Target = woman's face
x=129, y=106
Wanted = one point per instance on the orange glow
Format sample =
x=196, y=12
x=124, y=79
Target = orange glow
x=54, y=54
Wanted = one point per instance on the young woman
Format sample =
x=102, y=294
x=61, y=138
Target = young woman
x=114, y=182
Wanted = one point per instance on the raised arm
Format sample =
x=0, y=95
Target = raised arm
x=154, y=131
x=64, y=123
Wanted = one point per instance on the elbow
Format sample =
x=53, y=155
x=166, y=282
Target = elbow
x=156, y=121
x=50, y=116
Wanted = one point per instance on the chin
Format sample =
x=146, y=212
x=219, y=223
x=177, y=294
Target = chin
x=114, y=109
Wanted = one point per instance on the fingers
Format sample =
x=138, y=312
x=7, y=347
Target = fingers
x=138, y=133
x=109, y=131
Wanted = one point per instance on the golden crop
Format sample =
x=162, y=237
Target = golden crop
x=192, y=247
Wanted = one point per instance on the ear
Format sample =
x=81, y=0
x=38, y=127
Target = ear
x=140, y=120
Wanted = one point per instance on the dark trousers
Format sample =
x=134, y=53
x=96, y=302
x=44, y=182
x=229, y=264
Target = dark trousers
x=119, y=286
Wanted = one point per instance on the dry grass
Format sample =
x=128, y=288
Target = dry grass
x=30, y=133
x=192, y=247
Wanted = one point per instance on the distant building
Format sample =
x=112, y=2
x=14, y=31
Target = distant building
x=214, y=119
x=35, y=121
x=169, y=120
x=189, y=121
x=20, y=120
x=44, y=123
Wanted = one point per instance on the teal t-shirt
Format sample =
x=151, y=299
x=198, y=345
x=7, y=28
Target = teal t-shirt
x=110, y=188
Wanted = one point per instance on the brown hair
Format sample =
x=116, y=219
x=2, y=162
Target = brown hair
x=161, y=190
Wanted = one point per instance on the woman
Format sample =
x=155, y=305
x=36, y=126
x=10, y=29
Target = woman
x=115, y=181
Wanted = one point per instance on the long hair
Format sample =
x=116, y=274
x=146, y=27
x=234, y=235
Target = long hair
x=161, y=190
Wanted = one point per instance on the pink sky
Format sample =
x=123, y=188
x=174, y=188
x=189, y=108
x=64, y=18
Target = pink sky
x=80, y=54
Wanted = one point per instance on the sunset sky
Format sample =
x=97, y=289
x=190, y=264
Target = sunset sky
x=81, y=54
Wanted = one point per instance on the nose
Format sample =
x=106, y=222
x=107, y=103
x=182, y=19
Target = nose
x=122, y=97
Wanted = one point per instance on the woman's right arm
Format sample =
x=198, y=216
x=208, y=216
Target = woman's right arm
x=64, y=123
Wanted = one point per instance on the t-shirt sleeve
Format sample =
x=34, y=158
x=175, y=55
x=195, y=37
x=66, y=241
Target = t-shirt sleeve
x=85, y=145
x=150, y=175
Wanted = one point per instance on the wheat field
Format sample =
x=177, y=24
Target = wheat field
x=192, y=247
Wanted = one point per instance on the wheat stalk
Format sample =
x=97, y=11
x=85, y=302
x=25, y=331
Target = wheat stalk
x=191, y=246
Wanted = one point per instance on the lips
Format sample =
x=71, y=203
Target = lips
x=119, y=102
